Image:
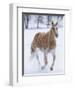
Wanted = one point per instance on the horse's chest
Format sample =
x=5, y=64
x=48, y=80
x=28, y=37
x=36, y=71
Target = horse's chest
x=52, y=44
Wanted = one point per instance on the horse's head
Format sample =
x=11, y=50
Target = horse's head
x=55, y=28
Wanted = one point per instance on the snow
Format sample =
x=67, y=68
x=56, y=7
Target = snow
x=31, y=66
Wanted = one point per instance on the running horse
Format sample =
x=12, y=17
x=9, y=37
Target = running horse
x=46, y=42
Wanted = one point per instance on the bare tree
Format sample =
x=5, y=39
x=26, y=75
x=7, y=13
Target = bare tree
x=48, y=20
x=39, y=20
x=27, y=18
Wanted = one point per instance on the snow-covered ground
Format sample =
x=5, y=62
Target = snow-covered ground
x=31, y=66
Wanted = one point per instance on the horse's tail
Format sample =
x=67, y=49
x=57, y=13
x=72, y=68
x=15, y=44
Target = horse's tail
x=32, y=49
x=36, y=36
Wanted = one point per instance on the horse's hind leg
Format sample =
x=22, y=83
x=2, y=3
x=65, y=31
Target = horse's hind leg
x=37, y=58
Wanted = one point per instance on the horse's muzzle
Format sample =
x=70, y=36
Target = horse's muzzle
x=56, y=35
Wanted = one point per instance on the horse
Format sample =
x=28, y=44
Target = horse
x=46, y=42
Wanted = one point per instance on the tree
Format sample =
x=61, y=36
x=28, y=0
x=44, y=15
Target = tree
x=48, y=20
x=27, y=18
x=39, y=20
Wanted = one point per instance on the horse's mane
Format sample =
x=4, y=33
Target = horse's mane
x=51, y=35
x=51, y=38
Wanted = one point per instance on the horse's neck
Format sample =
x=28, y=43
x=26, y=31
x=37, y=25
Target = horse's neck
x=51, y=35
x=51, y=39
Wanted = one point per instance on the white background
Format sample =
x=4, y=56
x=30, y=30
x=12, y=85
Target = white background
x=4, y=46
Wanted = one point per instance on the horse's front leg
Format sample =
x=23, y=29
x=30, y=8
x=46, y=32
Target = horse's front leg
x=45, y=60
x=54, y=57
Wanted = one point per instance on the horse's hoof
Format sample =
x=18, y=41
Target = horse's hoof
x=51, y=69
x=42, y=67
